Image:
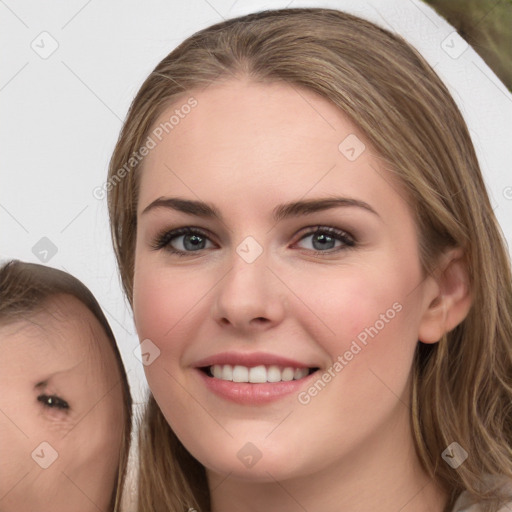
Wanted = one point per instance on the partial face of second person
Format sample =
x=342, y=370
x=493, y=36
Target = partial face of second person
x=246, y=289
x=61, y=412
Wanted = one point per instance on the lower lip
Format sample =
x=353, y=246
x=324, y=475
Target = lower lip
x=246, y=393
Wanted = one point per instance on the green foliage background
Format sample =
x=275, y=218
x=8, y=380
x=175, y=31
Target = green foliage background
x=487, y=26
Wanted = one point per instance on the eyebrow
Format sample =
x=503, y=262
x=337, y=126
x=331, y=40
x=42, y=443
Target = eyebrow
x=280, y=212
x=44, y=383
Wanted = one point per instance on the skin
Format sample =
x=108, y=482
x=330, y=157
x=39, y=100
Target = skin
x=246, y=148
x=66, y=346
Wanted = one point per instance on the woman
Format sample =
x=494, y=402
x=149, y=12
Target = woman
x=65, y=400
x=317, y=277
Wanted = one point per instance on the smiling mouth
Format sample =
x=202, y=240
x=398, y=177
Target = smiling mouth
x=256, y=374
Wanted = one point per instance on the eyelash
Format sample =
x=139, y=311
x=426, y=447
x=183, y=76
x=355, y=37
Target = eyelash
x=55, y=402
x=163, y=240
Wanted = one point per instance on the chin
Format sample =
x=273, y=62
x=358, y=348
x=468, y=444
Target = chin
x=262, y=461
x=267, y=471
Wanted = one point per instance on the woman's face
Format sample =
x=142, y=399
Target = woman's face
x=61, y=412
x=299, y=260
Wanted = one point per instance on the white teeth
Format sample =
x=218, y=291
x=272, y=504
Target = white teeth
x=287, y=374
x=257, y=374
x=300, y=373
x=224, y=372
x=273, y=374
x=227, y=372
x=240, y=374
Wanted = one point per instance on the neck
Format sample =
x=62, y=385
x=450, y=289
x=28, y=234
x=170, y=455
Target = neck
x=384, y=474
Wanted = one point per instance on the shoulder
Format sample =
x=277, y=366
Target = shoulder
x=465, y=503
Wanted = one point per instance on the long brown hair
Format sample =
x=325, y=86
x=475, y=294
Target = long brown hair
x=462, y=385
x=25, y=288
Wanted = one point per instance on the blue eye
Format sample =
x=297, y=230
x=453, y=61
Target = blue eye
x=190, y=240
x=53, y=402
x=324, y=239
x=185, y=241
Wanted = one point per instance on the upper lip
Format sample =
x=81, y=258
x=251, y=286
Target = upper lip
x=250, y=360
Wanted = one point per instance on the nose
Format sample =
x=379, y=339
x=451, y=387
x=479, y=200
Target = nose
x=249, y=297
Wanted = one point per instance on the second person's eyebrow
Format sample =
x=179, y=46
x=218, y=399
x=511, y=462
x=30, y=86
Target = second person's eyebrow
x=280, y=212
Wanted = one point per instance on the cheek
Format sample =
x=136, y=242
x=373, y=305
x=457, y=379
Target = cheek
x=169, y=303
x=373, y=321
x=355, y=305
x=376, y=322
x=154, y=304
x=165, y=305
x=159, y=299
x=16, y=446
x=90, y=454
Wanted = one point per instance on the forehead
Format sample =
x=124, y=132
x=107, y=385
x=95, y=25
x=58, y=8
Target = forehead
x=259, y=140
x=62, y=337
x=243, y=121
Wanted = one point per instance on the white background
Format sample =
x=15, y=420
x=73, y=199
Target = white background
x=61, y=115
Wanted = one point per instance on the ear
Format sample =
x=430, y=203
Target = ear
x=448, y=297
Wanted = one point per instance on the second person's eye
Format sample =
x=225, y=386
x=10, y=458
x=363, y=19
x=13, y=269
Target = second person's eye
x=53, y=402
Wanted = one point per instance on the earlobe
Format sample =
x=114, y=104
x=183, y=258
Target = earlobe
x=450, y=299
